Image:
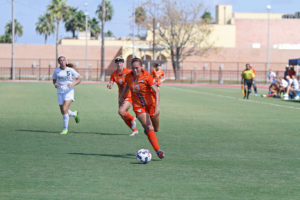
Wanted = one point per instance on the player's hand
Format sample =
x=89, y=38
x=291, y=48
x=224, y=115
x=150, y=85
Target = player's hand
x=56, y=85
x=70, y=85
x=157, y=111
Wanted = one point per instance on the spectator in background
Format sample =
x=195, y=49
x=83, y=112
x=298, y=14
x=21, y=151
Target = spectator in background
x=286, y=73
x=272, y=76
x=273, y=90
x=254, y=81
x=283, y=84
x=292, y=71
x=292, y=88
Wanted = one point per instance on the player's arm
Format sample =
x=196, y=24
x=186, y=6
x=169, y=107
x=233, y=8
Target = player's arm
x=76, y=82
x=55, y=84
x=242, y=81
x=157, y=99
x=162, y=78
x=124, y=91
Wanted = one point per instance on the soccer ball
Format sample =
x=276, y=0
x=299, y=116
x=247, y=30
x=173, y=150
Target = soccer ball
x=143, y=156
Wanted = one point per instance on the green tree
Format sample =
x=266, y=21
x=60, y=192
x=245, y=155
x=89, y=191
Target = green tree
x=57, y=9
x=207, y=16
x=109, y=34
x=5, y=38
x=18, y=29
x=94, y=27
x=45, y=26
x=140, y=17
x=109, y=11
x=74, y=20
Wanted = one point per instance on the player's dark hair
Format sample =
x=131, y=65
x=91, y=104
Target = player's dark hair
x=60, y=58
x=137, y=60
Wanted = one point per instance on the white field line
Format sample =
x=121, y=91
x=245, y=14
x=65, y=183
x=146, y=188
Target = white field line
x=237, y=99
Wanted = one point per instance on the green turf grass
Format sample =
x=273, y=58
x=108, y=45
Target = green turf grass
x=217, y=146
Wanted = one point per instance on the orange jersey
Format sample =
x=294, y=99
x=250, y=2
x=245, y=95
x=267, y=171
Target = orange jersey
x=141, y=91
x=158, y=75
x=119, y=79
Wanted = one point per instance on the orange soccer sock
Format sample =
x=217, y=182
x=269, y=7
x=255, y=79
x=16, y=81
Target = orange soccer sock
x=153, y=140
x=128, y=118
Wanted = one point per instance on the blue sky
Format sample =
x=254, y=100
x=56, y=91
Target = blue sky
x=28, y=11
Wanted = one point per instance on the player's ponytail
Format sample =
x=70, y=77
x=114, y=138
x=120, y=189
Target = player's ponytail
x=71, y=65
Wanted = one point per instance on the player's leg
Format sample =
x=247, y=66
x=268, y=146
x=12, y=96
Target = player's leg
x=154, y=119
x=155, y=122
x=127, y=117
x=245, y=88
x=146, y=122
x=249, y=84
x=255, y=88
x=64, y=108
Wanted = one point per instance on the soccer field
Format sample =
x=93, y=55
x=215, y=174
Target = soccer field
x=217, y=146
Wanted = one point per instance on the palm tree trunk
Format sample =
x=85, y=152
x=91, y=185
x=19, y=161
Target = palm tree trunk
x=102, y=41
x=56, y=45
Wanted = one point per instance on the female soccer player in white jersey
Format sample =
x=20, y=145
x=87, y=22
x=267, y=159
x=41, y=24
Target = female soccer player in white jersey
x=64, y=80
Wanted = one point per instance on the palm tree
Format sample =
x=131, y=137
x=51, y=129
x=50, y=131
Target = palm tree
x=94, y=27
x=74, y=20
x=109, y=11
x=57, y=9
x=105, y=12
x=140, y=17
x=45, y=26
x=18, y=29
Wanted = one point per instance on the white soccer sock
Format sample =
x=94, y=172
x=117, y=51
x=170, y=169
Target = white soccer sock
x=65, y=121
x=71, y=113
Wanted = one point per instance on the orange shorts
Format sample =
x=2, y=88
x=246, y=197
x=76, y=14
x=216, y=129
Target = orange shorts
x=146, y=109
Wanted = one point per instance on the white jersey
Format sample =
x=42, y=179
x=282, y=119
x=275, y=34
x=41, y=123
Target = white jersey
x=295, y=84
x=284, y=83
x=64, y=77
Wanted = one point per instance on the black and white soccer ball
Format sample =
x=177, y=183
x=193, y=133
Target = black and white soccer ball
x=143, y=156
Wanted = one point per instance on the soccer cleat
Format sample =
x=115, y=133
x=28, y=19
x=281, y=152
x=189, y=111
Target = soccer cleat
x=77, y=119
x=64, y=132
x=256, y=95
x=134, y=132
x=133, y=124
x=160, y=154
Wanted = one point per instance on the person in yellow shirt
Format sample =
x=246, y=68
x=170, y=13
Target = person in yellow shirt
x=247, y=80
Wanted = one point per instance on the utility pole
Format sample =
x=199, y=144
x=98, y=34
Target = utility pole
x=102, y=41
x=268, y=44
x=12, y=40
x=153, y=47
x=86, y=43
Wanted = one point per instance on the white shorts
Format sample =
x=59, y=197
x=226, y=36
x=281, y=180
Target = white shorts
x=62, y=97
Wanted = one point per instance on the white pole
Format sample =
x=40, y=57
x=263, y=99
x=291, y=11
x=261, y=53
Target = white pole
x=12, y=40
x=268, y=44
x=133, y=36
x=86, y=43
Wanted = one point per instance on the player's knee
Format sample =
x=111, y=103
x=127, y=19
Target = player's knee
x=121, y=112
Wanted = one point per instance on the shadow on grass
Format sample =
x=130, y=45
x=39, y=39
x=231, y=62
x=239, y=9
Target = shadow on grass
x=70, y=132
x=128, y=156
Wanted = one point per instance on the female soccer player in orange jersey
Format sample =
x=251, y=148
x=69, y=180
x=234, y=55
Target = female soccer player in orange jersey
x=118, y=77
x=145, y=100
x=158, y=75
